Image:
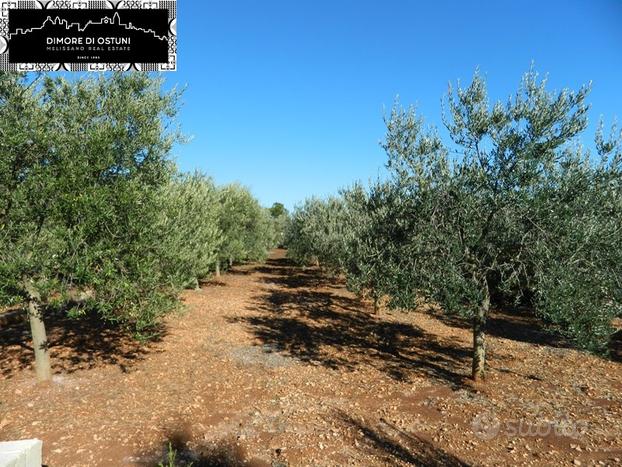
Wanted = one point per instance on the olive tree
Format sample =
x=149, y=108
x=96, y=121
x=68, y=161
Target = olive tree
x=82, y=164
x=359, y=233
x=510, y=209
x=246, y=229
x=24, y=148
x=374, y=228
x=280, y=221
x=478, y=199
x=188, y=228
x=317, y=233
x=576, y=259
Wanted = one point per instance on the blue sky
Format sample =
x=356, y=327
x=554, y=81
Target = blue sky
x=287, y=97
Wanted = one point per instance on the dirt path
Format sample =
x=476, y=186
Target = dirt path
x=276, y=365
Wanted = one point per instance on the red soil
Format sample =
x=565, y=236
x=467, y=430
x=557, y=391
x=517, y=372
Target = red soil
x=278, y=365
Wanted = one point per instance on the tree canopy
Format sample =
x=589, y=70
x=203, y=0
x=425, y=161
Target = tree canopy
x=94, y=215
x=511, y=209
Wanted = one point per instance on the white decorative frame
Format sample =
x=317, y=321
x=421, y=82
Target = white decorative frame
x=6, y=5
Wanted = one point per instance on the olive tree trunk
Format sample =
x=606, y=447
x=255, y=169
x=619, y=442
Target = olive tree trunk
x=40, y=344
x=218, y=268
x=479, y=338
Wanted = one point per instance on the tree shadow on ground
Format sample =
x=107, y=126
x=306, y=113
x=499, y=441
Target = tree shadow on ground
x=327, y=328
x=285, y=273
x=212, y=282
x=517, y=323
x=394, y=445
x=514, y=323
x=177, y=444
x=507, y=321
x=521, y=324
x=236, y=271
x=615, y=346
x=75, y=344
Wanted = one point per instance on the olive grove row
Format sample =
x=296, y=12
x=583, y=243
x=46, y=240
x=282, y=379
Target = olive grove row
x=510, y=209
x=94, y=215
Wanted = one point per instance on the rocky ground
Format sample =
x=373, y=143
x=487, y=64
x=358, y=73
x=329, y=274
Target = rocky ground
x=275, y=365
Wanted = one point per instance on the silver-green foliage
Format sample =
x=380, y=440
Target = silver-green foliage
x=510, y=209
x=92, y=206
x=247, y=230
x=317, y=232
x=577, y=259
x=83, y=162
x=280, y=223
x=188, y=227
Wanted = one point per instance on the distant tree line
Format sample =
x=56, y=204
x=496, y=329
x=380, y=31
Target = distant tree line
x=511, y=209
x=94, y=215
